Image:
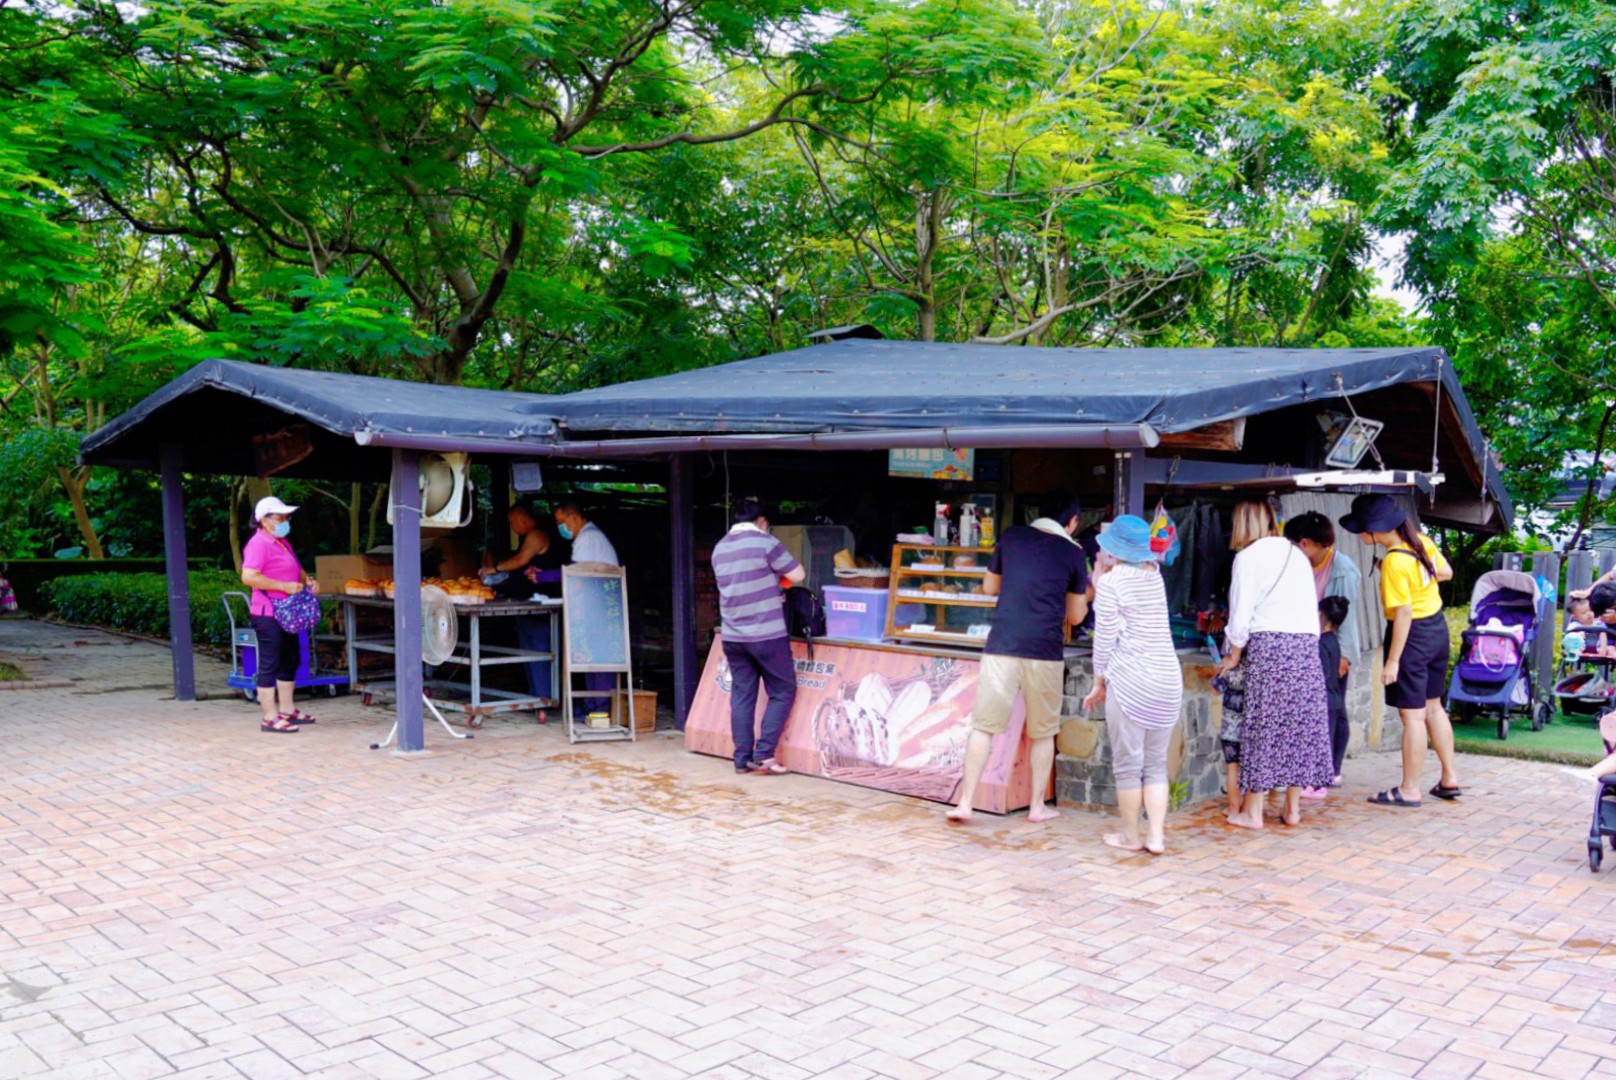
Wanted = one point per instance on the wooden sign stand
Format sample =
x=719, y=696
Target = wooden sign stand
x=594, y=614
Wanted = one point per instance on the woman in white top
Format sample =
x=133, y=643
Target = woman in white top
x=1136, y=674
x=1274, y=630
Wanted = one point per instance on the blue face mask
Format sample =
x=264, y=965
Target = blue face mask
x=282, y=529
x=566, y=532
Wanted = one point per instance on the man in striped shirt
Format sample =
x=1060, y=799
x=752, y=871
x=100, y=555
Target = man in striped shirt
x=748, y=564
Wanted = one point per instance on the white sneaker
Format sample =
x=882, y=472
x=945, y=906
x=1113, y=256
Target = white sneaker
x=1580, y=779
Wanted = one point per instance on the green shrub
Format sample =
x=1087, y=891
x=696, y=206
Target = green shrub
x=138, y=603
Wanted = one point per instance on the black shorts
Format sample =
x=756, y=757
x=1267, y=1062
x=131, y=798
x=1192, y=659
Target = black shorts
x=1422, y=670
x=1231, y=751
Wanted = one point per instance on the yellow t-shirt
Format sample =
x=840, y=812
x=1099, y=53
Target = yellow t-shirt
x=1404, y=582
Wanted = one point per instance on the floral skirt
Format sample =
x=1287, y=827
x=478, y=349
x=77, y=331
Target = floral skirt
x=1285, y=735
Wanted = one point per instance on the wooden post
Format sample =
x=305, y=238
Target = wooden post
x=682, y=539
x=1545, y=565
x=407, y=674
x=1579, y=571
x=179, y=585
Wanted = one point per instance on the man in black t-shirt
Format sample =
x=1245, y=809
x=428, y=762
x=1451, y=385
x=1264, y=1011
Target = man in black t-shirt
x=1041, y=578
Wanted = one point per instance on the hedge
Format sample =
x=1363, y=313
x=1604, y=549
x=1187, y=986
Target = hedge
x=138, y=603
x=30, y=576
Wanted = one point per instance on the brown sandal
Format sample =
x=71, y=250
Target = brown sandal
x=278, y=726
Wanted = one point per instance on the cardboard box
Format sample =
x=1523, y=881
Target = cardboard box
x=644, y=710
x=333, y=571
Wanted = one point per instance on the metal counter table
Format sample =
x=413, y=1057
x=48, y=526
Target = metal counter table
x=472, y=654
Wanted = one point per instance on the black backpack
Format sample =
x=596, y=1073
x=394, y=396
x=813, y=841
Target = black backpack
x=805, y=615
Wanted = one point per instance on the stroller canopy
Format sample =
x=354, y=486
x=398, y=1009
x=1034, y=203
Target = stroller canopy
x=1494, y=581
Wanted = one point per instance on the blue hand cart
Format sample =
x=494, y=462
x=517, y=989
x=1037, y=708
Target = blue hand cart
x=244, y=654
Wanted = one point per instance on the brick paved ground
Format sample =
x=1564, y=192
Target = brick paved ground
x=181, y=895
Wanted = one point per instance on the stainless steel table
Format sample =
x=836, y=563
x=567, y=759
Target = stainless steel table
x=470, y=652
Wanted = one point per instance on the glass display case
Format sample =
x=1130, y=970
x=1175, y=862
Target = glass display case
x=935, y=595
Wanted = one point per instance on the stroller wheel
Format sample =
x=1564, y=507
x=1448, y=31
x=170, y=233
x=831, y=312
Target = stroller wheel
x=1541, y=715
x=1596, y=855
x=1503, y=727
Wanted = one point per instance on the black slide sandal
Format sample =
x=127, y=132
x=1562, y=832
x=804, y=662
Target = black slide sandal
x=1392, y=797
x=1449, y=793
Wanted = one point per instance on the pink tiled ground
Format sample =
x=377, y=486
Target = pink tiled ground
x=181, y=895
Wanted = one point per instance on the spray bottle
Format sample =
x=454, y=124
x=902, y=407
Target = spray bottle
x=967, y=525
x=939, y=526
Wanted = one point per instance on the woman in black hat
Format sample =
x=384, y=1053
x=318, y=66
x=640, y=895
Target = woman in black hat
x=1416, y=646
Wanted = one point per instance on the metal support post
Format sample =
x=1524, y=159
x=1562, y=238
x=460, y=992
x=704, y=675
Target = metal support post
x=179, y=585
x=407, y=674
x=682, y=534
x=1128, y=474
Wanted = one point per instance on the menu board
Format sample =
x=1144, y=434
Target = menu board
x=595, y=615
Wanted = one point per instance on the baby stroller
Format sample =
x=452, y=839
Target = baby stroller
x=1604, y=801
x=1494, y=669
x=1584, y=688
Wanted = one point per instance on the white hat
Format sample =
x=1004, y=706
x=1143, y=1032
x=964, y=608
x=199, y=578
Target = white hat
x=269, y=504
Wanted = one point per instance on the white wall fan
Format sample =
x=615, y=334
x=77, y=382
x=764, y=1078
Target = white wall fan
x=447, y=497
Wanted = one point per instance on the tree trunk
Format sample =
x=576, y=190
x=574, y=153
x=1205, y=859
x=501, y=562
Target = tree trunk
x=354, y=508
x=928, y=230
x=377, y=505
x=237, y=490
x=75, y=481
x=1585, y=512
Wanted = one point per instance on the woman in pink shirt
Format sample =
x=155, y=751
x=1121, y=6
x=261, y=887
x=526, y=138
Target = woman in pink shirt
x=270, y=568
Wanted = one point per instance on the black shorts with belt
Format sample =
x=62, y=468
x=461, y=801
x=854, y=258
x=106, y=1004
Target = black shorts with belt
x=1422, y=670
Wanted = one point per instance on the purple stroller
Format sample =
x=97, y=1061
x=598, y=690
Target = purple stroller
x=1494, y=673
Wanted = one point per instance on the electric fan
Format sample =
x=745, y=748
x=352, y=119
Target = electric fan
x=440, y=633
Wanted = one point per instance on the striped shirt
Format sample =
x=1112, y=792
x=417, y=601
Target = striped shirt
x=748, y=564
x=1133, y=646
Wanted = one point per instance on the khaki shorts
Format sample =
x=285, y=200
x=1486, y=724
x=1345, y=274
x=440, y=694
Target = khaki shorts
x=1039, y=682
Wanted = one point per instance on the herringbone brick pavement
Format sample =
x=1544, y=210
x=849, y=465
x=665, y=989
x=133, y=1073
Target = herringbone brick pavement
x=181, y=895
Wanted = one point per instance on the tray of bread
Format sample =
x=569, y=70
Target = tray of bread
x=461, y=590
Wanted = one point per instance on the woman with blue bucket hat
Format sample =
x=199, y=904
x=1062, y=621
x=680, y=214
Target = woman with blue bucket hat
x=1137, y=675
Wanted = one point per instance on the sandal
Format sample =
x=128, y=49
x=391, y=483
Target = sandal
x=278, y=726
x=297, y=716
x=1392, y=797
x=1446, y=792
x=769, y=767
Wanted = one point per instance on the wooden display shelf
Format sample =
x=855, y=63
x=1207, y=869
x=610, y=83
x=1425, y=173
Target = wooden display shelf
x=905, y=587
x=952, y=599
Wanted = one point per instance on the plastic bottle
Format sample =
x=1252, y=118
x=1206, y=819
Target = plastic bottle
x=967, y=525
x=985, y=531
x=939, y=526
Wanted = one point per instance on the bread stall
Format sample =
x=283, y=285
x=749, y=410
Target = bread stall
x=475, y=604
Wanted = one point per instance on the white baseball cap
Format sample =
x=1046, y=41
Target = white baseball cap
x=269, y=504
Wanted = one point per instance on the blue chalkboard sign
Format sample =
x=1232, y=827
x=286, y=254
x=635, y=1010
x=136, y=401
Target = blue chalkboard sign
x=595, y=614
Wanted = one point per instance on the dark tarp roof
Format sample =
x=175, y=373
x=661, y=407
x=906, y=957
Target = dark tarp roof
x=213, y=407
x=882, y=385
x=855, y=385
x=886, y=385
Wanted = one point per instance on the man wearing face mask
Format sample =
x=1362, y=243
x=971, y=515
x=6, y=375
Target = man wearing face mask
x=271, y=570
x=589, y=544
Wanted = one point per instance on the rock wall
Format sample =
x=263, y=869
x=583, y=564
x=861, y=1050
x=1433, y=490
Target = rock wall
x=1195, y=767
x=1083, y=749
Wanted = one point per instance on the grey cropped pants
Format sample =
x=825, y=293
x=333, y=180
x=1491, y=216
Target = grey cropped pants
x=1138, y=753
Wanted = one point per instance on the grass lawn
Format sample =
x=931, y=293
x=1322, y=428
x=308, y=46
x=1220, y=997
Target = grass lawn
x=1573, y=740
